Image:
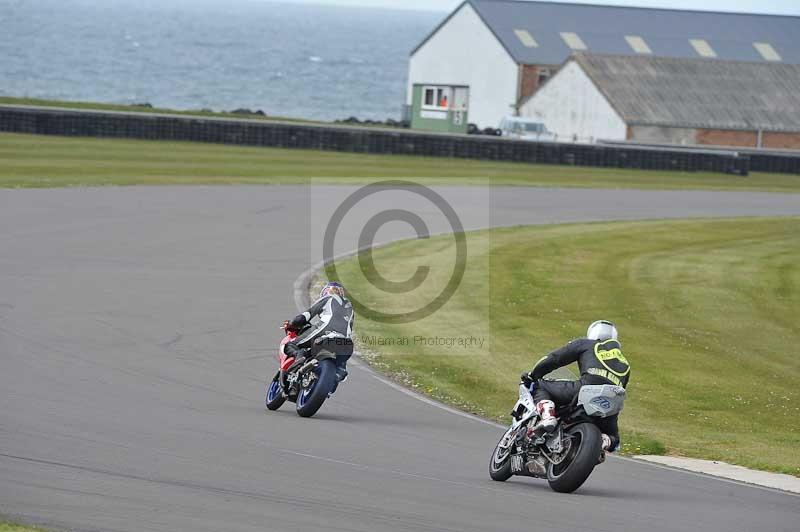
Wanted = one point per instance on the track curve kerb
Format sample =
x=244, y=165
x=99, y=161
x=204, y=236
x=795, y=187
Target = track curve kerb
x=137, y=328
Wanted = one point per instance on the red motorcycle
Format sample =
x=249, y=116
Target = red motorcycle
x=306, y=381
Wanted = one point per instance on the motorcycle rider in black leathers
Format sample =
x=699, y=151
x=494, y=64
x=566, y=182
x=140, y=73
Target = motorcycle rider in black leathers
x=333, y=332
x=600, y=360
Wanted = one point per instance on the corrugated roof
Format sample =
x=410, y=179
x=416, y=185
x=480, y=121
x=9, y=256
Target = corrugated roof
x=667, y=32
x=705, y=93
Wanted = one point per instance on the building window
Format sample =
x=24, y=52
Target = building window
x=544, y=74
x=573, y=40
x=429, y=96
x=702, y=48
x=638, y=44
x=436, y=98
x=767, y=51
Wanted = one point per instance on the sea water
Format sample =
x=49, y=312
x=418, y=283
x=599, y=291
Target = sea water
x=292, y=60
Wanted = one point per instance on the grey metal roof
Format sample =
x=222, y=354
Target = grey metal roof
x=705, y=93
x=603, y=29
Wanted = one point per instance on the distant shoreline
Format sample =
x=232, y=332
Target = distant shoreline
x=146, y=107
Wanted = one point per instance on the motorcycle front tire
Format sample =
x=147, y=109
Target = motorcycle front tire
x=500, y=462
x=310, y=400
x=275, y=397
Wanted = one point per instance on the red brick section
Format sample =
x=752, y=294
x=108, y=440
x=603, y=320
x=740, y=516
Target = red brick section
x=724, y=137
x=528, y=81
x=789, y=141
x=748, y=139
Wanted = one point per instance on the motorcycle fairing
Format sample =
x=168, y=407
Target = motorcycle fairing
x=527, y=410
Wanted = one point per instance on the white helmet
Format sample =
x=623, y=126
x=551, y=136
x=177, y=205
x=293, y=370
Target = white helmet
x=601, y=330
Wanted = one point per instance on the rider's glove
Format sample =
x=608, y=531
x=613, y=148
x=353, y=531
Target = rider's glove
x=296, y=323
x=606, y=442
x=526, y=379
x=299, y=321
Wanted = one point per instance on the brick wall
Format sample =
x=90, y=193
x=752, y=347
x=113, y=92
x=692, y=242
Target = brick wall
x=748, y=139
x=783, y=141
x=528, y=81
x=725, y=137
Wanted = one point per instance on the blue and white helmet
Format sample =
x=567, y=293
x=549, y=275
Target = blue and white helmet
x=332, y=288
x=602, y=330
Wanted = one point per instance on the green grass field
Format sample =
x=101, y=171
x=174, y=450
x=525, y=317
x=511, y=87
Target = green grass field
x=12, y=527
x=44, y=161
x=707, y=311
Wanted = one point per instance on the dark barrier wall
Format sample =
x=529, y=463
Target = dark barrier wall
x=761, y=160
x=44, y=121
x=774, y=163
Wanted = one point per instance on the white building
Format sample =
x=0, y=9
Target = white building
x=671, y=100
x=500, y=51
x=463, y=51
x=572, y=106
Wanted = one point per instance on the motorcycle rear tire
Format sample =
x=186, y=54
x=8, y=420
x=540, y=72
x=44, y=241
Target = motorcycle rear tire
x=582, y=460
x=322, y=386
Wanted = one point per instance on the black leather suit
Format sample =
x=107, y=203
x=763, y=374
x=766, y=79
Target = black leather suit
x=599, y=362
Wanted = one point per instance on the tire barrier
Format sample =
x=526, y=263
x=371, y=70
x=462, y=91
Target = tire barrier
x=82, y=123
x=774, y=163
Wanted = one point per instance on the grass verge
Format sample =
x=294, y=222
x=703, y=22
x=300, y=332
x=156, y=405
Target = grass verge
x=30, y=161
x=707, y=312
x=94, y=106
x=13, y=527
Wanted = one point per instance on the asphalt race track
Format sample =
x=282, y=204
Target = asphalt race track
x=138, y=325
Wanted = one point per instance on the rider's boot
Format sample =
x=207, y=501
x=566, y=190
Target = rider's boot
x=547, y=416
x=341, y=376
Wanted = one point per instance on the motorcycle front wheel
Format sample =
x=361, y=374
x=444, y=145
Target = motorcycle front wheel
x=581, y=457
x=310, y=399
x=275, y=397
x=500, y=462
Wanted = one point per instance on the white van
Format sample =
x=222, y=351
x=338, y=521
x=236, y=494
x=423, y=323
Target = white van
x=517, y=127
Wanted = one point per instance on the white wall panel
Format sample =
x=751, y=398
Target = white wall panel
x=465, y=52
x=570, y=105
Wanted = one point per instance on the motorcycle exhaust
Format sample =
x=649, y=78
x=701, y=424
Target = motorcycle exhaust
x=307, y=365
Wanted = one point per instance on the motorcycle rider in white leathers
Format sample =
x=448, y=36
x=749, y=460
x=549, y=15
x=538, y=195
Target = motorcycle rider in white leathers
x=333, y=331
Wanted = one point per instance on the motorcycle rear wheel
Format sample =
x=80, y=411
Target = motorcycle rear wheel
x=275, y=397
x=582, y=456
x=310, y=399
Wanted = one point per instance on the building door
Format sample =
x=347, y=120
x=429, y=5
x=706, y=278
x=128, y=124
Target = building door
x=460, y=105
x=461, y=99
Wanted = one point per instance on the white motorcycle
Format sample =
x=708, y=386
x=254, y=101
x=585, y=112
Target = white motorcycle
x=567, y=455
